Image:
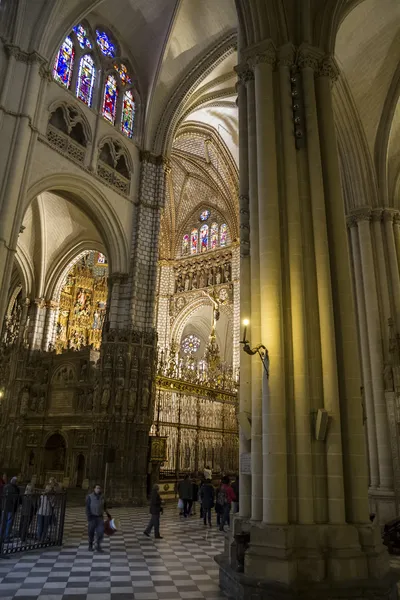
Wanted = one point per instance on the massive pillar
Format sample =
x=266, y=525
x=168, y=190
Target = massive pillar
x=313, y=537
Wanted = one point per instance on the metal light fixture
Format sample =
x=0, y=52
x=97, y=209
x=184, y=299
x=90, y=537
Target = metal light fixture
x=260, y=349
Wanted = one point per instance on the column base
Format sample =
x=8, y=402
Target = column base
x=308, y=562
x=383, y=504
x=241, y=587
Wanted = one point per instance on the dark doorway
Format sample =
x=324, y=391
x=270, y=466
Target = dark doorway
x=54, y=455
x=80, y=470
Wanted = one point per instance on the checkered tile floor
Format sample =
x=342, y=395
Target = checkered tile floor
x=133, y=567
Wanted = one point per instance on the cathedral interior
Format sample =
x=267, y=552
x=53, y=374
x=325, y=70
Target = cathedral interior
x=200, y=266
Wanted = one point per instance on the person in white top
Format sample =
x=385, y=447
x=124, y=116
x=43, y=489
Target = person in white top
x=207, y=473
x=45, y=513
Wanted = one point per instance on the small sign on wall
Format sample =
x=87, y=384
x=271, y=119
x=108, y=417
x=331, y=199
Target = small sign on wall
x=245, y=463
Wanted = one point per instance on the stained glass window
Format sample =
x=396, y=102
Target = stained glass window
x=123, y=73
x=84, y=87
x=194, y=236
x=223, y=234
x=110, y=99
x=105, y=44
x=204, y=215
x=83, y=39
x=185, y=244
x=64, y=63
x=204, y=237
x=190, y=343
x=128, y=114
x=214, y=235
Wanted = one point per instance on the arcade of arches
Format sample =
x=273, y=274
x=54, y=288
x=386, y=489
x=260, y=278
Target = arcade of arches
x=169, y=169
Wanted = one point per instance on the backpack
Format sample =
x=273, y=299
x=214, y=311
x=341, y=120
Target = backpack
x=222, y=498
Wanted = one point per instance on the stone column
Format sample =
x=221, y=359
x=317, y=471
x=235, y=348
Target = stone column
x=255, y=323
x=15, y=151
x=374, y=338
x=245, y=290
x=303, y=475
x=365, y=356
x=388, y=216
x=275, y=496
x=309, y=64
x=382, y=276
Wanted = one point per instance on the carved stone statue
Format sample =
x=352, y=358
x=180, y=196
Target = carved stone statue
x=187, y=283
x=218, y=277
x=210, y=277
x=132, y=400
x=226, y=273
x=89, y=401
x=145, y=396
x=105, y=398
x=202, y=280
x=24, y=401
x=108, y=361
x=83, y=373
x=388, y=378
x=42, y=403
x=119, y=395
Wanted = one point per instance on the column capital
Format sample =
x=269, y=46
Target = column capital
x=309, y=57
x=328, y=67
x=376, y=214
x=286, y=55
x=262, y=53
x=155, y=159
x=389, y=214
x=244, y=73
x=357, y=215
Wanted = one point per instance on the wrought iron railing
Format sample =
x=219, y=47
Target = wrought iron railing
x=30, y=521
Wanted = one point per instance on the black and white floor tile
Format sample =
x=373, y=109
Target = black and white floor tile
x=133, y=567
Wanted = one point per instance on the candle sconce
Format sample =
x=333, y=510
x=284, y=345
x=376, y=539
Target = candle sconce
x=260, y=349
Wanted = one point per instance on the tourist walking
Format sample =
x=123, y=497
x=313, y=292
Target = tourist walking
x=155, y=511
x=45, y=513
x=10, y=502
x=95, y=509
x=207, y=495
x=185, y=492
x=225, y=497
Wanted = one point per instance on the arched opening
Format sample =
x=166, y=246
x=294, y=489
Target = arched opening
x=55, y=457
x=80, y=470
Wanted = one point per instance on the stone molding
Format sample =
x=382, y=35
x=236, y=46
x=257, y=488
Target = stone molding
x=328, y=67
x=22, y=56
x=376, y=214
x=389, y=214
x=357, y=215
x=154, y=159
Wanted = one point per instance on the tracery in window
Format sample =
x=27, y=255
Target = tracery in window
x=105, y=44
x=82, y=36
x=190, y=344
x=223, y=235
x=84, y=87
x=123, y=73
x=193, y=241
x=110, y=99
x=128, y=114
x=185, y=244
x=204, y=215
x=214, y=236
x=64, y=63
x=204, y=238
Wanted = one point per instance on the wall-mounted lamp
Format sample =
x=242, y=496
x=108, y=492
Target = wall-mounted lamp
x=260, y=349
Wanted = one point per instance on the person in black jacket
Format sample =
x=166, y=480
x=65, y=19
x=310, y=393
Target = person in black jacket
x=155, y=511
x=11, y=500
x=207, y=494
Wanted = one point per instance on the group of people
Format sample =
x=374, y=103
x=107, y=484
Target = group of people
x=224, y=498
x=26, y=505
